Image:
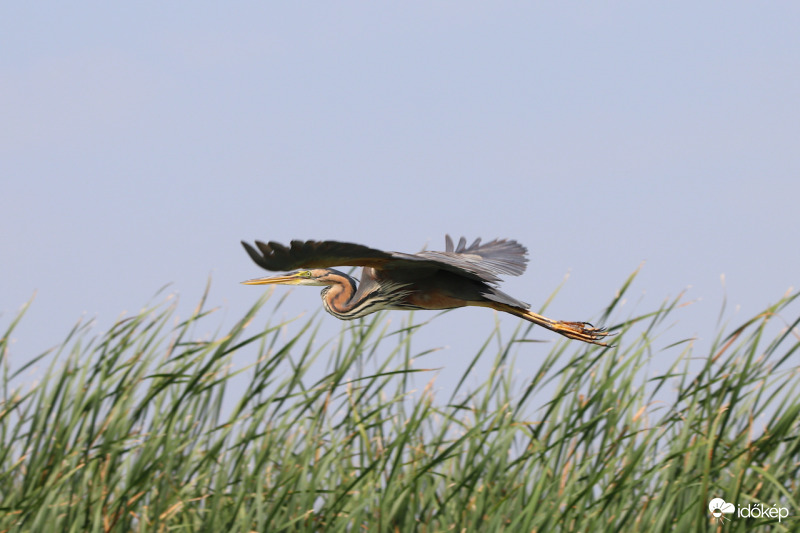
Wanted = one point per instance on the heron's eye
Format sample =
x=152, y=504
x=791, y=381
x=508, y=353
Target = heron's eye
x=304, y=274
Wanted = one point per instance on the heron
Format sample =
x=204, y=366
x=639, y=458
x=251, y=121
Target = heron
x=459, y=276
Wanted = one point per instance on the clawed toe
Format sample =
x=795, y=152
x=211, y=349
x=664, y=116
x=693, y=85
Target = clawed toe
x=584, y=331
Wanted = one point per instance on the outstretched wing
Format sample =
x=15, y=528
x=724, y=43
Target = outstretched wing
x=480, y=262
x=314, y=254
x=500, y=256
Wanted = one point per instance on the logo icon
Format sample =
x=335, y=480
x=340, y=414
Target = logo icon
x=719, y=507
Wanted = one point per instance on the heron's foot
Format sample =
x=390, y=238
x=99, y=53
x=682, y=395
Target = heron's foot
x=582, y=331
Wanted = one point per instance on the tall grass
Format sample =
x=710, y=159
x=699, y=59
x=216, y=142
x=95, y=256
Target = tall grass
x=147, y=428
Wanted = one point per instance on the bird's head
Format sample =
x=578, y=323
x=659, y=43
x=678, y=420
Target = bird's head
x=315, y=276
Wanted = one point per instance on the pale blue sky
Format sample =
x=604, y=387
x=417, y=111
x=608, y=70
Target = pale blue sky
x=140, y=143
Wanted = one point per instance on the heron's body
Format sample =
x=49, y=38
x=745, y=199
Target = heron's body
x=458, y=277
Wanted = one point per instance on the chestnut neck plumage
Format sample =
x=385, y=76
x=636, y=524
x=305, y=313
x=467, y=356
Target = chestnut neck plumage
x=345, y=300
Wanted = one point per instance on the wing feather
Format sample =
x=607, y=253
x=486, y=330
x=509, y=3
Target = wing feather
x=500, y=256
x=481, y=262
x=314, y=254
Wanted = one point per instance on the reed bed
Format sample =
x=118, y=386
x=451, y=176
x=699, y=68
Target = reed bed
x=148, y=427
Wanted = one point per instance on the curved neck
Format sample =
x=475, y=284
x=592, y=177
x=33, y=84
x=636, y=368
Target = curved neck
x=339, y=297
x=344, y=300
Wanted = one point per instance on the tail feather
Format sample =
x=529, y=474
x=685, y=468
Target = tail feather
x=582, y=331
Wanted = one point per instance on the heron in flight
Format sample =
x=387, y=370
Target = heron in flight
x=459, y=276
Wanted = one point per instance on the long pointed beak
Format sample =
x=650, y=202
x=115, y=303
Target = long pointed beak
x=282, y=280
